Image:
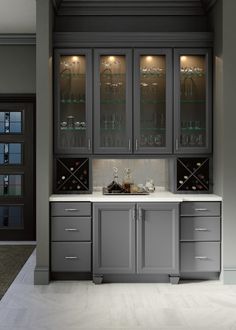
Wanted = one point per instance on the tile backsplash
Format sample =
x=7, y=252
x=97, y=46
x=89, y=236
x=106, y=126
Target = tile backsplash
x=141, y=169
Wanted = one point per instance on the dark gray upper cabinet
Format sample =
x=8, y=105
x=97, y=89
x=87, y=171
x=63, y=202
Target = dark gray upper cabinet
x=113, y=238
x=193, y=101
x=158, y=238
x=113, y=101
x=152, y=101
x=73, y=101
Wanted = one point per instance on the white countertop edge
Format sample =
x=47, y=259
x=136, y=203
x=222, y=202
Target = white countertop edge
x=163, y=196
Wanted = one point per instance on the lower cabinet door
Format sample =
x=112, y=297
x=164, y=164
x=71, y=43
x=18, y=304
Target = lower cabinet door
x=158, y=238
x=71, y=257
x=200, y=257
x=114, y=238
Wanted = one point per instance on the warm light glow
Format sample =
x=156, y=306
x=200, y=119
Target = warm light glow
x=111, y=58
x=183, y=58
x=75, y=58
x=149, y=58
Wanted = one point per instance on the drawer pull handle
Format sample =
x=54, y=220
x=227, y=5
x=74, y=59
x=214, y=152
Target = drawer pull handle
x=71, y=210
x=201, y=229
x=201, y=210
x=71, y=229
x=71, y=258
x=201, y=258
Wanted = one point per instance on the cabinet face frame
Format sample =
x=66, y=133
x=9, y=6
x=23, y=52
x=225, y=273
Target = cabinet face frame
x=207, y=52
x=98, y=149
x=167, y=149
x=88, y=97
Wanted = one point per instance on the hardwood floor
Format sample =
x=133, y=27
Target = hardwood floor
x=83, y=305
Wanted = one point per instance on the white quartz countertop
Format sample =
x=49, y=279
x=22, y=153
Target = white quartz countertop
x=158, y=196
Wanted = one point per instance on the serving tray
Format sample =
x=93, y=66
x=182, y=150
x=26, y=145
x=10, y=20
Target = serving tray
x=106, y=192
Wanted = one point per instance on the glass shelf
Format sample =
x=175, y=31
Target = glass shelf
x=103, y=129
x=72, y=75
x=74, y=101
x=192, y=129
x=152, y=74
x=152, y=101
x=161, y=129
x=193, y=101
x=73, y=128
x=113, y=101
x=112, y=75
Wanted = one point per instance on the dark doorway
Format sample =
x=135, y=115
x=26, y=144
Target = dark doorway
x=17, y=167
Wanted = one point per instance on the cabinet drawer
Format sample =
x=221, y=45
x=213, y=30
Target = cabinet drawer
x=200, y=228
x=200, y=257
x=200, y=209
x=70, y=229
x=70, y=209
x=71, y=257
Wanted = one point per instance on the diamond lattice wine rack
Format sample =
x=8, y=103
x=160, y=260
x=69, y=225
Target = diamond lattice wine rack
x=72, y=176
x=193, y=175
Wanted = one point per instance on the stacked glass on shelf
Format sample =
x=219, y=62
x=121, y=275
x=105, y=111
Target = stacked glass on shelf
x=193, y=101
x=112, y=100
x=152, y=101
x=73, y=101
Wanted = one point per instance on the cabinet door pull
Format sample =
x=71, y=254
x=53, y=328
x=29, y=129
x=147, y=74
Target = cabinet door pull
x=71, y=210
x=140, y=214
x=201, y=229
x=201, y=257
x=71, y=229
x=72, y=257
x=129, y=144
x=136, y=144
x=176, y=143
x=201, y=210
x=134, y=214
x=89, y=144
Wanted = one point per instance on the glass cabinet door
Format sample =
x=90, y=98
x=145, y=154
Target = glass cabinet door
x=73, y=101
x=152, y=101
x=113, y=101
x=193, y=108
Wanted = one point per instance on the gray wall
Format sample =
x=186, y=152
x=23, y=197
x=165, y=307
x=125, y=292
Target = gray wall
x=17, y=69
x=228, y=134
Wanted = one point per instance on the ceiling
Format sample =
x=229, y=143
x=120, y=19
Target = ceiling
x=17, y=16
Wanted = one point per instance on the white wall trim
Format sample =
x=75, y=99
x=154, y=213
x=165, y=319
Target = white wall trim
x=18, y=39
x=229, y=275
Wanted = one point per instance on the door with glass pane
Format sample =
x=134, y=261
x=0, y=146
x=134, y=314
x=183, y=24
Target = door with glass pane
x=193, y=101
x=153, y=101
x=113, y=101
x=73, y=101
x=17, y=171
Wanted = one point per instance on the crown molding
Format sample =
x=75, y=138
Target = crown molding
x=130, y=7
x=17, y=39
x=133, y=39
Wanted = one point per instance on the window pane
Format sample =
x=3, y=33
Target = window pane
x=10, y=122
x=11, y=217
x=10, y=153
x=10, y=185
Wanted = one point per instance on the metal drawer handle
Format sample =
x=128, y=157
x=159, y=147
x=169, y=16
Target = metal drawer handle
x=201, y=258
x=71, y=258
x=71, y=229
x=201, y=210
x=201, y=229
x=71, y=210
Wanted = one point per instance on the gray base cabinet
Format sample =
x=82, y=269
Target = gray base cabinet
x=131, y=238
x=200, y=235
x=158, y=238
x=71, y=239
x=114, y=238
